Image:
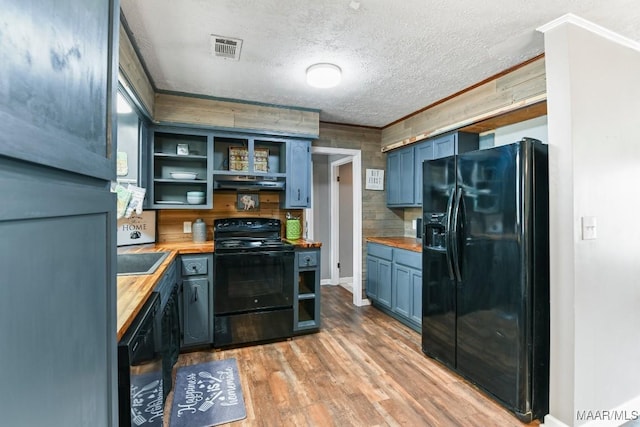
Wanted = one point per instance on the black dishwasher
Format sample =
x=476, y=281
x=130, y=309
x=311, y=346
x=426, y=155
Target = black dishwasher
x=140, y=383
x=170, y=327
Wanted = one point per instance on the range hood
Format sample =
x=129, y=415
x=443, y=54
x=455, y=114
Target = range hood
x=248, y=182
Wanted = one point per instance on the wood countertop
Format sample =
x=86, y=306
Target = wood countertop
x=303, y=243
x=408, y=243
x=134, y=290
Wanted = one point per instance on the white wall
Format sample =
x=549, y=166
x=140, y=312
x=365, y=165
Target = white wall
x=594, y=148
x=322, y=211
x=533, y=128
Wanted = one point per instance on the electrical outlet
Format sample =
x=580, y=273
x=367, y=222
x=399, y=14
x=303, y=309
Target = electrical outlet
x=186, y=227
x=414, y=224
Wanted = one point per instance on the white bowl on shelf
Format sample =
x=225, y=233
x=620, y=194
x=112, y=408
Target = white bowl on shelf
x=195, y=197
x=183, y=175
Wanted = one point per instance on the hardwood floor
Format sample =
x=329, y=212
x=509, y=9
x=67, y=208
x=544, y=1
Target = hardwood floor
x=362, y=369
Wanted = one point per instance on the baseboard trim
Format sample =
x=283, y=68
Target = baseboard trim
x=551, y=421
x=347, y=283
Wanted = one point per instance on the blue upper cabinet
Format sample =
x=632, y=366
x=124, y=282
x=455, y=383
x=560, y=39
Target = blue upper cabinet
x=423, y=151
x=400, y=177
x=185, y=159
x=454, y=143
x=404, y=165
x=298, y=186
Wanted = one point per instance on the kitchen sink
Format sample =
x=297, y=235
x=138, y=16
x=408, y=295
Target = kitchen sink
x=140, y=263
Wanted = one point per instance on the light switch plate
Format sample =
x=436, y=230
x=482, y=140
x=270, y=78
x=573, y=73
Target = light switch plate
x=414, y=224
x=186, y=227
x=589, y=228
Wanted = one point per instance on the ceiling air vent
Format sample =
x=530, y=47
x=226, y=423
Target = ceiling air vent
x=226, y=47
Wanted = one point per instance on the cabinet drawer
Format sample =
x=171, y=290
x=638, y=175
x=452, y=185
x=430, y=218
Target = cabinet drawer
x=408, y=258
x=307, y=259
x=380, y=251
x=193, y=265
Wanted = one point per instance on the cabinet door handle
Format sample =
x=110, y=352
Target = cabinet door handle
x=195, y=295
x=298, y=194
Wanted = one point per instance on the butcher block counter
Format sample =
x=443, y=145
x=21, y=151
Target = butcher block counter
x=408, y=243
x=133, y=290
x=303, y=243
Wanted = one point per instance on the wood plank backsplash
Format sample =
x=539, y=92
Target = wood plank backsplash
x=170, y=221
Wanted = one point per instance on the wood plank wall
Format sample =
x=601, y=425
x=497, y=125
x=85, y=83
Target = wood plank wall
x=133, y=71
x=209, y=112
x=523, y=87
x=377, y=219
x=170, y=221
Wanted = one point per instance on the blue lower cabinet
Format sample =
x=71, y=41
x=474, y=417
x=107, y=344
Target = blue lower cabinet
x=372, y=277
x=197, y=299
x=394, y=282
x=416, y=305
x=385, y=291
x=402, y=290
x=196, y=311
x=378, y=285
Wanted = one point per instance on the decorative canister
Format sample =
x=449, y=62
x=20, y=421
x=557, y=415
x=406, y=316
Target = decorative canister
x=199, y=230
x=294, y=230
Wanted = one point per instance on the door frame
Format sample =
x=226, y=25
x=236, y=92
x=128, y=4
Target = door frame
x=334, y=194
x=354, y=157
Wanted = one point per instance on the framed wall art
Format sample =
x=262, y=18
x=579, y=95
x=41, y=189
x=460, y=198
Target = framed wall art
x=248, y=201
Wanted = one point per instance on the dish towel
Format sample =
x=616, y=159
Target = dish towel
x=123, y=196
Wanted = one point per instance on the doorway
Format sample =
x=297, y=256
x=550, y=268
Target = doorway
x=323, y=219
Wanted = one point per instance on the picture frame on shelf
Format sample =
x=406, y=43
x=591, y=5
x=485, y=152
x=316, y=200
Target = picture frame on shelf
x=182, y=150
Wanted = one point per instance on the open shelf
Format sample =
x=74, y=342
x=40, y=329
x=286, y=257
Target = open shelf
x=307, y=304
x=180, y=151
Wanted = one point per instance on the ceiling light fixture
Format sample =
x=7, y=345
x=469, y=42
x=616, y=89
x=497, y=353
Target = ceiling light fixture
x=324, y=75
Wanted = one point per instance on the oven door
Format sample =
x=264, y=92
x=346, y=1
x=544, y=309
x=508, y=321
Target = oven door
x=251, y=281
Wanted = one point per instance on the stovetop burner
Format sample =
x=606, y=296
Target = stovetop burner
x=239, y=243
x=244, y=234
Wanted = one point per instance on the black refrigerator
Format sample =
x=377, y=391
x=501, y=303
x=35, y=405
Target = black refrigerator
x=485, y=295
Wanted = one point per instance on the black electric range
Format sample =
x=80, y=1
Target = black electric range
x=254, y=279
x=248, y=234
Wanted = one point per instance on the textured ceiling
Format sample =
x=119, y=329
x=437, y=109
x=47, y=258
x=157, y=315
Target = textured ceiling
x=396, y=56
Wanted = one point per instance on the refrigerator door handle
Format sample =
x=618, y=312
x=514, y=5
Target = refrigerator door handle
x=448, y=233
x=454, y=235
